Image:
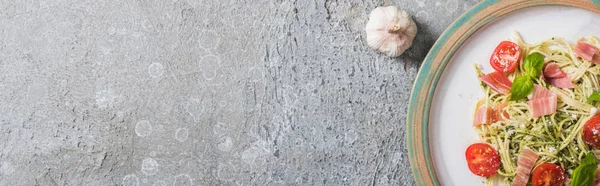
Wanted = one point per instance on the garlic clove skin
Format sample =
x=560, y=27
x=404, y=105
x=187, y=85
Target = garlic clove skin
x=390, y=30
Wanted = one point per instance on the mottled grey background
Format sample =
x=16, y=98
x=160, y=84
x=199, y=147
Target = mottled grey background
x=188, y=92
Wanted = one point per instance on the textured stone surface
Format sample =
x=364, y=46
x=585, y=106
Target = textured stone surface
x=187, y=92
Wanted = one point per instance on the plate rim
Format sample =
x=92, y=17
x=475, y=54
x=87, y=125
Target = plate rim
x=417, y=120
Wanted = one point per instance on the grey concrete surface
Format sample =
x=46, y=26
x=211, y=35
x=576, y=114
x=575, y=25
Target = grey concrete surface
x=188, y=92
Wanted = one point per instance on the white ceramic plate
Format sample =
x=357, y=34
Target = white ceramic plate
x=450, y=131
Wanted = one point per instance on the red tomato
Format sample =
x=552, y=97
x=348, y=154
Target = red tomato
x=548, y=174
x=483, y=159
x=506, y=57
x=591, y=131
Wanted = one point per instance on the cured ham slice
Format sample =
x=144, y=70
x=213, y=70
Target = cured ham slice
x=483, y=116
x=525, y=163
x=543, y=101
x=543, y=106
x=552, y=70
x=596, y=59
x=540, y=92
x=497, y=113
x=563, y=82
x=497, y=81
x=556, y=77
x=597, y=177
x=585, y=50
x=489, y=115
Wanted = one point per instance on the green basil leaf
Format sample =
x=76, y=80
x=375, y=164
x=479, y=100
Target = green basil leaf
x=589, y=159
x=533, y=65
x=584, y=174
x=521, y=88
x=594, y=97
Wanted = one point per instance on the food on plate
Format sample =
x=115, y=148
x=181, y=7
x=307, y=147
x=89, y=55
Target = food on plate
x=591, y=131
x=483, y=159
x=390, y=30
x=506, y=57
x=548, y=174
x=537, y=121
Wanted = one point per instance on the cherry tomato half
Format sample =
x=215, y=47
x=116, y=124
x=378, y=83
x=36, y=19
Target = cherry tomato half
x=548, y=174
x=591, y=131
x=506, y=57
x=483, y=160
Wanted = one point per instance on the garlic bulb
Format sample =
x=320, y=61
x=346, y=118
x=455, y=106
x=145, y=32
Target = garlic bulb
x=390, y=30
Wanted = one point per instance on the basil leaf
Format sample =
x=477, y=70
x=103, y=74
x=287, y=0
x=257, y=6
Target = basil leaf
x=585, y=172
x=521, y=88
x=594, y=97
x=533, y=64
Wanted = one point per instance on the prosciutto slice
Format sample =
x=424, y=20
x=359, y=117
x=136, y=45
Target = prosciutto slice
x=563, y=82
x=540, y=92
x=497, y=113
x=497, y=81
x=543, y=106
x=525, y=163
x=552, y=70
x=597, y=176
x=543, y=102
x=585, y=50
x=556, y=77
x=483, y=116
x=489, y=115
x=596, y=59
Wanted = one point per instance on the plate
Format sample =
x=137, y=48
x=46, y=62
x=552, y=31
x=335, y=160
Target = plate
x=446, y=88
